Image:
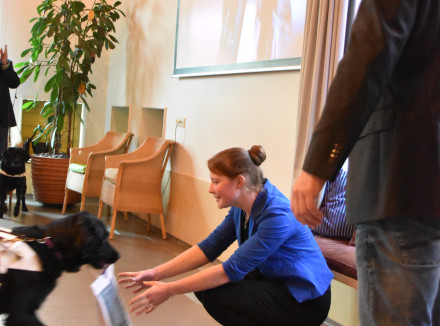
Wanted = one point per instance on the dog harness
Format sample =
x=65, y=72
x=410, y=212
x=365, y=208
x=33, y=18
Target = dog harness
x=17, y=254
x=21, y=175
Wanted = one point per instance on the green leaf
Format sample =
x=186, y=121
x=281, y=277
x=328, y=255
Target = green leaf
x=26, y=73
x=21, y=64
x=51, y=83
x=35, y=54
x=77, y=6
x=37, y=139
x=25, y=52
x=85, y=103
x=27, y=105
x=113, y=38
x=37, y=73
x=47, y=109
x=19, y=71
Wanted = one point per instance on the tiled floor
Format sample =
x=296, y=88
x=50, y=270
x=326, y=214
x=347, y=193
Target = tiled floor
x=72, y=303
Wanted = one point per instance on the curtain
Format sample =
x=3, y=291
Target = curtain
x=324, y=38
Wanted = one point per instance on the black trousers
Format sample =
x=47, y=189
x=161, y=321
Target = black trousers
x=3, y=139
x=262, y=302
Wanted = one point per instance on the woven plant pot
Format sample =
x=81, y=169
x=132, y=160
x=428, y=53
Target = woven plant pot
x=49, y=180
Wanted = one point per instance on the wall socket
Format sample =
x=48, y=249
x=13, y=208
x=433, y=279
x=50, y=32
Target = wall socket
x=180, y=122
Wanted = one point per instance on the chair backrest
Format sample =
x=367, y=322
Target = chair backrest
x=153, y=145
x=116, y=140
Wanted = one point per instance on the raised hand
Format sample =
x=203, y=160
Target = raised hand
x=4, y=55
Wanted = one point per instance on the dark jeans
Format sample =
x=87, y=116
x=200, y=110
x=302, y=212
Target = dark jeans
x=262, y=302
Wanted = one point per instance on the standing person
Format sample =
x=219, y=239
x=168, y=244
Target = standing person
x=277, y=276
x=383, y=108
x=8, y=79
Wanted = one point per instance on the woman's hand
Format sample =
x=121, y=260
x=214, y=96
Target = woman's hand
x=136, y=279
x=150, y=299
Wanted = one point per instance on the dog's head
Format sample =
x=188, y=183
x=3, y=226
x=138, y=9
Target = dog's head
x=13, y=160
x=82, y=239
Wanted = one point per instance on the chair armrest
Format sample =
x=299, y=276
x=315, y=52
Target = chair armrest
x=98, y=158
x=112, y=161
x=81, y=154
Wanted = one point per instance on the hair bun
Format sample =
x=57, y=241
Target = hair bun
x=257, y=154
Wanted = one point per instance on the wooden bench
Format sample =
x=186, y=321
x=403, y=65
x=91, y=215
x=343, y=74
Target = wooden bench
x=341, y=259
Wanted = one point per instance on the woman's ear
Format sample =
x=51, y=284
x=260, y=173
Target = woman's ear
x=240, y=181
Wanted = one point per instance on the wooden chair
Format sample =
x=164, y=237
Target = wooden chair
x=86, y=168
x=132, y=182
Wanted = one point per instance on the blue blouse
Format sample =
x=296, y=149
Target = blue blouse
x=280, y=246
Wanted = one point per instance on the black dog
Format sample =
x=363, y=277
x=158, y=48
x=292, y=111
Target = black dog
x=64, y=245
x=12, y=177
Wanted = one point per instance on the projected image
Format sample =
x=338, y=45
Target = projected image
x=227, y=32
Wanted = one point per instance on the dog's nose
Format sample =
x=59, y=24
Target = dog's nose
x=115, y=256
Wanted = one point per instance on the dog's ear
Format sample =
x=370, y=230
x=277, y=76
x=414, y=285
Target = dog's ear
x=5, y=155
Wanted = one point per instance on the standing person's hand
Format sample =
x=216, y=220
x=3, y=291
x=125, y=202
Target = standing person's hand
x=4, y=55
x=305, y=193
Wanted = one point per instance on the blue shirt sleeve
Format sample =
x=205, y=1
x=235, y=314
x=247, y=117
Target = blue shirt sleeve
x=220, y=239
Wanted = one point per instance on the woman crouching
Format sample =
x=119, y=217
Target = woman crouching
x=277, y=276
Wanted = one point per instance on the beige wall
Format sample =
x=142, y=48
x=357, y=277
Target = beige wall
x=220, y=112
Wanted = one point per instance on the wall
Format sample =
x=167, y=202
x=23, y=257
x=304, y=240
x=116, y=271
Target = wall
x=344, y=308
x=220, y=111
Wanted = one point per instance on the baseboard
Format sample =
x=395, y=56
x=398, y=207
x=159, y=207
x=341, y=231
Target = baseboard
x=329, y=322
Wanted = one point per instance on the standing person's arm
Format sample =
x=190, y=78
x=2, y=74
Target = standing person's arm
x=8, y=74
x=305, y=194
x=379, y=35
x=4, y=57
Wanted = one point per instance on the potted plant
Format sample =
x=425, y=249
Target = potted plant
x=66, y=38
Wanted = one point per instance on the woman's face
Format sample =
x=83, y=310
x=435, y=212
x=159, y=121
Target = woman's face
x=225, y=190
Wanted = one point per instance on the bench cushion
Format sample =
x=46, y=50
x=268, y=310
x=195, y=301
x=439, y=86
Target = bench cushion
x=78, y=168
x=340, y=256
x=111, y=174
